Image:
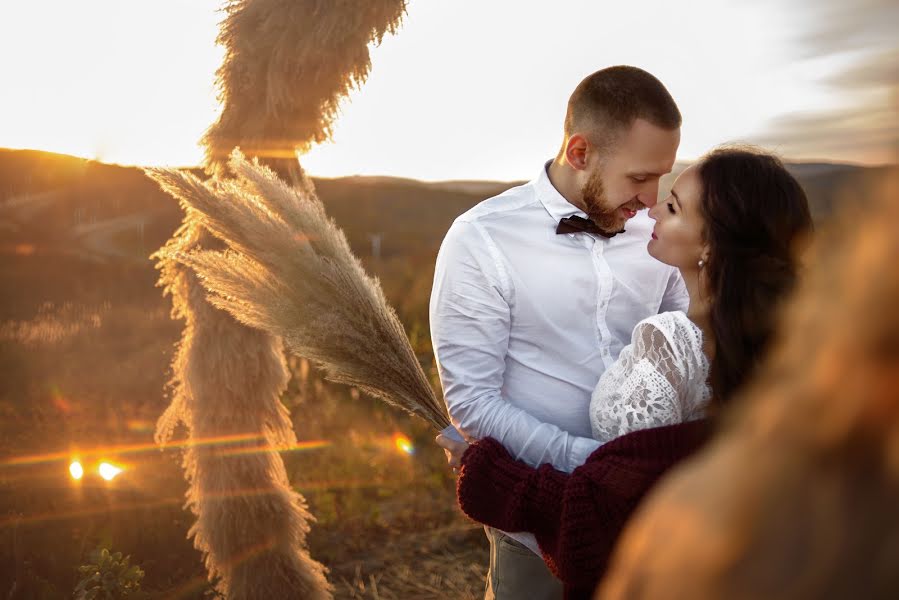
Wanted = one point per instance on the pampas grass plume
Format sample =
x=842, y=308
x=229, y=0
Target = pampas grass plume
x=289, y=271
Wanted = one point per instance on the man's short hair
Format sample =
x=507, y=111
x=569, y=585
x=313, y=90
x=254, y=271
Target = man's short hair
x=610, y=100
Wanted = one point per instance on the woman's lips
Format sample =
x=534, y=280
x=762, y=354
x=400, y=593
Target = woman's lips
x=654, y=236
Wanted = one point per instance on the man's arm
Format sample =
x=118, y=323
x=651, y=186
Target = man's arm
x=470, y=324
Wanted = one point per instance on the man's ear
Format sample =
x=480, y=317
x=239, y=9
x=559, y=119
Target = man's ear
x=576, y=151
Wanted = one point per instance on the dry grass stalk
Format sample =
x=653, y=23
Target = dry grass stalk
x=290, y=272
x=251, y=525
x=287, y=65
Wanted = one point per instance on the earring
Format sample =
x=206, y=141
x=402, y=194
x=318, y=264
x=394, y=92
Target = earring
x=701, y=263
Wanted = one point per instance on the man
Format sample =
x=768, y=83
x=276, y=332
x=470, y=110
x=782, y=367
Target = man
x=537, y=290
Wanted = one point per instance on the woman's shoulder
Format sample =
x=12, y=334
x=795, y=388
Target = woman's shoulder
x=672, y=335
x=667, y=327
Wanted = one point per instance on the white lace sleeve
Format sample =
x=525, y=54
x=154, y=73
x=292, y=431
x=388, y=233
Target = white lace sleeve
x=659, y=379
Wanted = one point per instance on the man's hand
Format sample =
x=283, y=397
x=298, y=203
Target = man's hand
x=453, y=450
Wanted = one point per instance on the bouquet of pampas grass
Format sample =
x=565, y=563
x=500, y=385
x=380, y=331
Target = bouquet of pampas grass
x=289, y=271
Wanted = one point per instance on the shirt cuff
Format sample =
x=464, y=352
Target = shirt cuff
x=581, y=448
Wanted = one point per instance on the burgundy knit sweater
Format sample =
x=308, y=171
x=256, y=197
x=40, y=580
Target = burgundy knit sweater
x=576, y=518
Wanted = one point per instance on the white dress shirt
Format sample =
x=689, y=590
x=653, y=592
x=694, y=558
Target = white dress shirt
x=524, y=321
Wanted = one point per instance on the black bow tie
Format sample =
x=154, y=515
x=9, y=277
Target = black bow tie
x=576, y=224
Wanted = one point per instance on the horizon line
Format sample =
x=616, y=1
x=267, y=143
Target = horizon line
x=822, y=161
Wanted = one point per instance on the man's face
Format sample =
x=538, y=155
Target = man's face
x=626, y=178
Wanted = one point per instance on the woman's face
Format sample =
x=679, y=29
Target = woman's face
x=677, y=238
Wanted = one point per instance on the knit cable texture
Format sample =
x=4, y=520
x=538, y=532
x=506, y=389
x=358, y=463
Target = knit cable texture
x=576, y=518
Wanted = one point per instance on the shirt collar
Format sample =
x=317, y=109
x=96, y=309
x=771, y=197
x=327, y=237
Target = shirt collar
x=554, y=202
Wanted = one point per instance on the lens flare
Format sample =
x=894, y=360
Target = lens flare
x=145, y=447
x=109, y=471
x=76, y=470
x=403, y=444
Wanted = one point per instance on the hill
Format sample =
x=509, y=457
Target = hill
x=65, y=205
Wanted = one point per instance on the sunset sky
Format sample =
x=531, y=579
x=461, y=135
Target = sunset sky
x=467, y=89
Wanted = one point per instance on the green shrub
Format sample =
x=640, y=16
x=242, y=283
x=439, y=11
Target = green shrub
x=109, y=577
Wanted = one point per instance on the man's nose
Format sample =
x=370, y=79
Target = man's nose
x=649, y=196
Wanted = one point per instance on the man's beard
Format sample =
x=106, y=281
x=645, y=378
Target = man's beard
x=607, y=219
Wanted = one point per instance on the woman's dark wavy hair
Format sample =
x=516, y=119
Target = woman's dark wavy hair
x=755, y=214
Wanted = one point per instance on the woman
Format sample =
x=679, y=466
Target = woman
x=815, y=442
x=729, y=225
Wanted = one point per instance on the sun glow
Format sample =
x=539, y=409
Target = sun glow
x=76, y=470
x=97, y=80
x=109, y=471
x=403, y=444
x=94, y=453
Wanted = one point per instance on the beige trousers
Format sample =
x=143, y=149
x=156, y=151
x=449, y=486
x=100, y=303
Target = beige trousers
x=516, y=573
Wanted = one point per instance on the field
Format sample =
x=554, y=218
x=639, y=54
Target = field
x=85, y=345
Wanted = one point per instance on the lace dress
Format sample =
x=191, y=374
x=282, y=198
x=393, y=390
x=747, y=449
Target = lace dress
x=659, y=379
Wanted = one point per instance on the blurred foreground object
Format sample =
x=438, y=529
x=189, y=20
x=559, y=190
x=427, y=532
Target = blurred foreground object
x=798, y=496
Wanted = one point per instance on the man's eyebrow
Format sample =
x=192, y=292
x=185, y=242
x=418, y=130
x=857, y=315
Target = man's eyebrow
x=673, y=193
